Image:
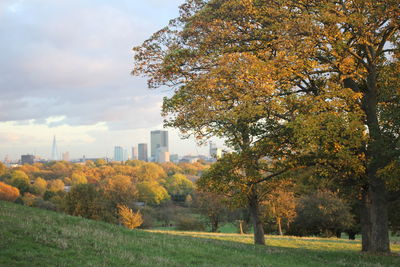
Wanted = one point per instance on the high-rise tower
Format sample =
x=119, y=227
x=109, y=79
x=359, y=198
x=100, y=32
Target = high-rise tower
x=54, y=150
x=118, y=153
x=159, y=139
x=142, y=149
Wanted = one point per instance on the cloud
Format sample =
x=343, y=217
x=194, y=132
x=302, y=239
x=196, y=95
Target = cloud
x=73, y=59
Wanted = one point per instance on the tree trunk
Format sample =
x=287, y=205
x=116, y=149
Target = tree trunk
x=241, y=227
x=379, y=241
x=365, y=221
x=376, y=215
x=338, y=233
x=279, y=222
x=255, y=216
x=352, y=236
x=214, y=225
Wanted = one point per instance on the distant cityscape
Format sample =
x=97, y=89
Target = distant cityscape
x=159, y=152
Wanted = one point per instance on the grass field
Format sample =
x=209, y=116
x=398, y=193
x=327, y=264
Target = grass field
x=33, y=237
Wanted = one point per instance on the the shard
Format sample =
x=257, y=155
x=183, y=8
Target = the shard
x=54, y=151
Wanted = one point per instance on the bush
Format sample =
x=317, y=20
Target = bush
x=8, y=192
x=29, y=199
x=189, y=224
x=43, y=204
x=322, y=214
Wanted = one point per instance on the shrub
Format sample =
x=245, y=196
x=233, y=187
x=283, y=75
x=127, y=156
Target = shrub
x=322, y=213
x=129, y=218
x=189, y=224
x=8, y=192
x=43, y=204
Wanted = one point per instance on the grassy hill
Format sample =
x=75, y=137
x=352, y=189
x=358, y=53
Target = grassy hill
x=33, y=237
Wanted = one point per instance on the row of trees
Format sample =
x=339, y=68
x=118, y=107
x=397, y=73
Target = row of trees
x=293, y=87
x=295, y=206
x=96, y=190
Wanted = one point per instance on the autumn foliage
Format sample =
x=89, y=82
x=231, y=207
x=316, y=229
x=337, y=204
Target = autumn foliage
x=8, y=192
x=129, y=218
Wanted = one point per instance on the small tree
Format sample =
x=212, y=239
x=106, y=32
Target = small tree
x=85, y=201
x=152, y=193
x=39, y=187
x=166, y=213
x=78, y=178
x=280, y=203
x=55, y=185
x=178, y=186
x=20, y=180
x=129, y=218
x=213, y=206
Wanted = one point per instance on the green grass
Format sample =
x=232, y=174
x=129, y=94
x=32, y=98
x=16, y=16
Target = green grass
x=33, y=237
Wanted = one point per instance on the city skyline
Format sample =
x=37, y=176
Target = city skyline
x=66, y=73
x=65, y=153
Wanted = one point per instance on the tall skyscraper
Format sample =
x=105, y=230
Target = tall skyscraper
x=158, y=139
x=142, y=149
x=54, y=150
x=118, y=153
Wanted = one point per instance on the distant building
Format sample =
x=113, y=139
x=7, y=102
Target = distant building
x=190, y=159
x=134, y=153
x=84, y=159
x=174, y=158
x=27, y=159
x=54, y=150
x=126, y=155
x=215, y=152
x=158, y=139
x=65, y=156
x=118, y=153
x=7, y=159
x=162, y=155
x=142, y=152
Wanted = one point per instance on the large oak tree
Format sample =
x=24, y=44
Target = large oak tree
x=264, y=64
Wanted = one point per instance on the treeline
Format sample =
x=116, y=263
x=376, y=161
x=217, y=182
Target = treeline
x=172, y=195
x=95, y=189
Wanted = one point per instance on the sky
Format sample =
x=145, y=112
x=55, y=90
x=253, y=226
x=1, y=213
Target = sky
x=65, y=71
